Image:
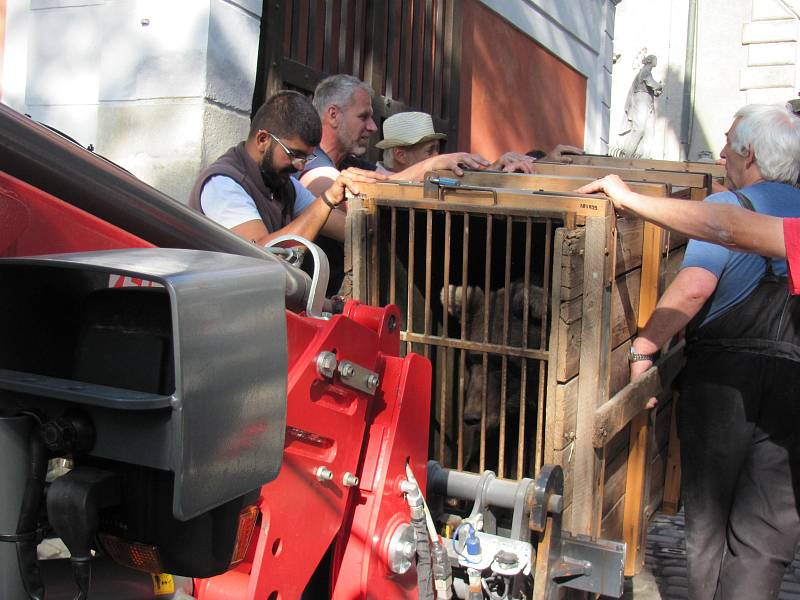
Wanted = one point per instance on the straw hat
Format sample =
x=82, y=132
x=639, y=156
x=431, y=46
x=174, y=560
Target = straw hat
x=407, y=129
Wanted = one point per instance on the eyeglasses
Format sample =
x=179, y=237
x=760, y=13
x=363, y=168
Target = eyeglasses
x=298, y=159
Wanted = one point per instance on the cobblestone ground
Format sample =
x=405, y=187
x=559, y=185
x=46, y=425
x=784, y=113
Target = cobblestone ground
x=664, y=573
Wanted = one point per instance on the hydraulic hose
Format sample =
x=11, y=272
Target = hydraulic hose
x=424, y=568
x=28, y=516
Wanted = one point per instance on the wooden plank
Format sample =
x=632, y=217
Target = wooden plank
x=651, y=270
x=565, y=413
x=426, y=100
x=417, y=27
x=345, y=62
x=617, y=412
x=357, y=33
x=543, y=183
x=548, y=204
x=375, y=62
x=438, y=59
x=611, y=527
x=299, y=75
x=624, y=311
x=630, y=238
x=270, y=51
x=454, y=31
x=632, y=407
x=700, y=193
x=661, y=429
x=615, y=480
x=328, y=47
x=620, y=368
x=394, y=40
x=571, y=281
x=672, y=475
x=713, y=169
x=594, y=365
x=634, y=522
x=655, y=490
x=356, y=248
x=675, y=178
x=628, y=253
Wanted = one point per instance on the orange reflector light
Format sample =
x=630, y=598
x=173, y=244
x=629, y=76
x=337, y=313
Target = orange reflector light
x=247, y=524
x=135, y=555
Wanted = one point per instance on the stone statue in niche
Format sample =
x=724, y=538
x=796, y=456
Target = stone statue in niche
x=639, y=111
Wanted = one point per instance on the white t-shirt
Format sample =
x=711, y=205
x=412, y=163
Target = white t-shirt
x=225, y=201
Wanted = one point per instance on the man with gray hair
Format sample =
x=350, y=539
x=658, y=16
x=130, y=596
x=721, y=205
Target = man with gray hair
x=739, y=419
x=344, y=104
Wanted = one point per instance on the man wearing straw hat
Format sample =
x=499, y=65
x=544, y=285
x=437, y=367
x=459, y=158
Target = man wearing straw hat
x=409, y=140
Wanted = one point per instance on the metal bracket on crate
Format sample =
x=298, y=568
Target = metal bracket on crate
x=435, y=187
x=565, y=560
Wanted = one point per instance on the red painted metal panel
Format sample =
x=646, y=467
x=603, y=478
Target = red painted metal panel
x=34, y=222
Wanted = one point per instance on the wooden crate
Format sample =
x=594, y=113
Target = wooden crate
x=716, y=171
x=685, y=184
x=602, y=277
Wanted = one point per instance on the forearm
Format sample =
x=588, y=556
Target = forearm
x=729, y=226
x=415, y=172
x=307, y=224
x=681, y=301
x=334, y=227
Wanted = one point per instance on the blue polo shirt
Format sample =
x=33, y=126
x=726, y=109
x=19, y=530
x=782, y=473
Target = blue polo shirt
x=739, y=273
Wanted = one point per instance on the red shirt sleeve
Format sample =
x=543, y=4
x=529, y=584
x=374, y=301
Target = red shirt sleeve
x=791, y=238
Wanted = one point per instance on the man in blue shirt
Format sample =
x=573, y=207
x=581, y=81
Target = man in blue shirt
x=739, y=419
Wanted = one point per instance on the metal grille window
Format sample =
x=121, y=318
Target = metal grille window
x=476, y=303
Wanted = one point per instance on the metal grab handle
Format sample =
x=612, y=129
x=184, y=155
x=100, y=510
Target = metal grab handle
x=438, y=187
x=319, y=280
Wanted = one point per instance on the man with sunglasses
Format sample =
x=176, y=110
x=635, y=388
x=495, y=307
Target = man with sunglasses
x=249, y=189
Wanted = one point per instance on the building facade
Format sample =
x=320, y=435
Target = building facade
x=714, y=56
x=162, y=88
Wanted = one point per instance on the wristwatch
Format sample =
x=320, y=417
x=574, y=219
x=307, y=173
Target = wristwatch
x=634, y=356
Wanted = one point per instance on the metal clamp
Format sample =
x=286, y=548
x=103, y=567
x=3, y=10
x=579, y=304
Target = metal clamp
x=319, y=281
x=437, y=187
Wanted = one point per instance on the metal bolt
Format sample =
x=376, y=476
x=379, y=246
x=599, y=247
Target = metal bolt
x=346, y=370
x=392, y=323
x=326, y=364
x=408, y=550
x=349, y=480
x=555, y=504
x=323, y=473
x=372, y=381
x=401, y=549
x=145, y=22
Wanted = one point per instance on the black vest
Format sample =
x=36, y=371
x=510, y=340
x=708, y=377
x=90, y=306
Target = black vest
x=766, y=322
x=275, y=206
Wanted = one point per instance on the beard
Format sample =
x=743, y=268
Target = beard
x=273, y=178
x=355, y=146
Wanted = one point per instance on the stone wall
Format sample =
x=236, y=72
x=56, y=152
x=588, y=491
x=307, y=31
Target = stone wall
x=161, y=88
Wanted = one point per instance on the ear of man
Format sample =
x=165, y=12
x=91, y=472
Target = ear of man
x=332, y=113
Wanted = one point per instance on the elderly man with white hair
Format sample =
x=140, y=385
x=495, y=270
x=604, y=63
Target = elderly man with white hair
x=739, y=418
x=408, y=138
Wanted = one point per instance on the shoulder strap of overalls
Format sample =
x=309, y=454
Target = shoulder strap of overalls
x=745, y=202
